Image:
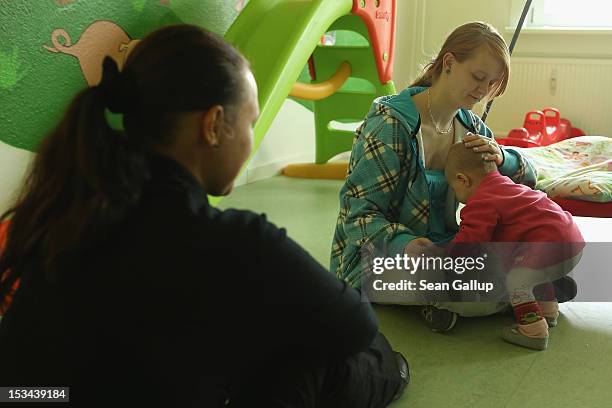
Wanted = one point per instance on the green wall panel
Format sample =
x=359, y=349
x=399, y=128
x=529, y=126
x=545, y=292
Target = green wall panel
x=40, y=65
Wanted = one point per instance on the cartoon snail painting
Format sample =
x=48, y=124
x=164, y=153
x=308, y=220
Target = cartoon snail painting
x=100, y=39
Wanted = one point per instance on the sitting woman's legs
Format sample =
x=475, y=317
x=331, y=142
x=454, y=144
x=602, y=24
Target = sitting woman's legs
x=369, y=379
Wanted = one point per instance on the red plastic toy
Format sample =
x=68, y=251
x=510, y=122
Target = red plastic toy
x=6, y=301
x=379, y=18
x=541, y=128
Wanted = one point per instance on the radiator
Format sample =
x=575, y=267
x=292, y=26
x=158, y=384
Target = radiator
x=580, y=88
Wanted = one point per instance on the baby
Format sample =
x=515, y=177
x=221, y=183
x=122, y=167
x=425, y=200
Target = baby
x=498, y=210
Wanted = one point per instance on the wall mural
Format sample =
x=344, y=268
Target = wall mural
x=100, y=39
x=50, y=49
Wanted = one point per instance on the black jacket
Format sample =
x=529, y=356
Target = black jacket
x=173, y=307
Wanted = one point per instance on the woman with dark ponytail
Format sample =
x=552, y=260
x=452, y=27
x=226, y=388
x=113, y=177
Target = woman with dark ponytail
x=129, y=288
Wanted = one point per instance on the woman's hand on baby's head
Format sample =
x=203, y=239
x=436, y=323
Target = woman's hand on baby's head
x=485, y=145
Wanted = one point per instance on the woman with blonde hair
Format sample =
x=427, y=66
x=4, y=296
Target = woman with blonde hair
x=395, y=197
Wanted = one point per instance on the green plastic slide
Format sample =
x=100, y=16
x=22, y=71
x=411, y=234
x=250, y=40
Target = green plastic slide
x=278, y=37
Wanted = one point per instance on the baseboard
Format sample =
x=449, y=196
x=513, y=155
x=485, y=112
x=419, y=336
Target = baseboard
x=270, y=169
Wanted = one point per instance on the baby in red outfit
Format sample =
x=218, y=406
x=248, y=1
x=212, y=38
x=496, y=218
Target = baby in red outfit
x=498, y=210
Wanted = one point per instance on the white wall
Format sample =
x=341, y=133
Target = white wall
x=13, y=165
x=290, y=139
x=423, y=25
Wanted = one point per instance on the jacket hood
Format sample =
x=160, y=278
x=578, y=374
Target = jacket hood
x=403, y=108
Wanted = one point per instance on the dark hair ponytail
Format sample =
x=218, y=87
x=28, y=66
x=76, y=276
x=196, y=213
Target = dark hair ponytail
x=86, y=175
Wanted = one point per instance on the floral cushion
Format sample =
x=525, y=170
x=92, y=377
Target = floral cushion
x=579, y=168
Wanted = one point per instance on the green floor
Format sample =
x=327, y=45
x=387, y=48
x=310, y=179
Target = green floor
x=471, y=366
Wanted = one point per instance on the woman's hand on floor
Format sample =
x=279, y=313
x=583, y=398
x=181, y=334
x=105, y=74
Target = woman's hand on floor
x=418, y=247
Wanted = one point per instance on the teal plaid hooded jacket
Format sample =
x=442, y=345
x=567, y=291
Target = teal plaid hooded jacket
x=385, y=199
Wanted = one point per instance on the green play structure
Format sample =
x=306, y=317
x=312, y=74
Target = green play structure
x=279, y=37
x=54, y=49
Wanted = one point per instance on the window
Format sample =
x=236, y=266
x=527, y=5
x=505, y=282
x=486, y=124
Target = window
x=590, y=14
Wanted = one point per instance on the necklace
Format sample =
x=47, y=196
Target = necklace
x=442, y=132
